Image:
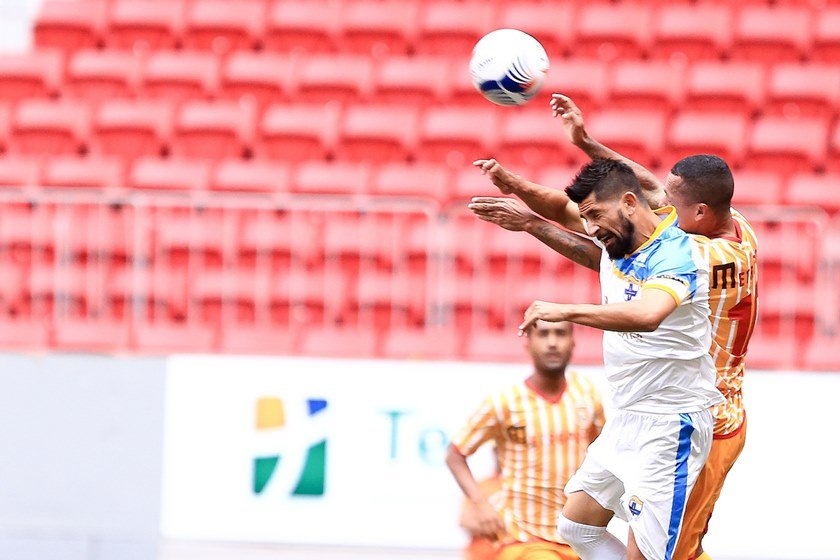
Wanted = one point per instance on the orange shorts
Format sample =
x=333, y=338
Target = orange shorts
x=706, y=491
x=481, y=548
x=537, y=551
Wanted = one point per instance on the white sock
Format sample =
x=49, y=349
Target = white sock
x=591, y=542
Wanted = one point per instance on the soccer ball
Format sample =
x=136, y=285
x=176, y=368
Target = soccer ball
x=508, y=66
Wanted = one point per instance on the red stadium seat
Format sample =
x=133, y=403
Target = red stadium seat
x=91, y=335
x=412, y=80
x=88, y=172
x=422, y=344
x=315, y=177
x=420, y=180
x=180, y=75
x=582, y=79
x=145, y=24
x=377, y=133
x=725, y=87
x=334, y=342
x=50, y=127
x=213, y=129
x=826, y=43
x=646, y=85
x=456, y=136
x=69, y=25
x=20, y=334
x=757, y=188
x=102, y=75
x=550, y=23
x=212, y=25
x=833, y=162
x=324, y=78
x=787, y=145
x=610, y=31
x=768, y=351
x=302, y=25
x=168, y=337
x=169, y=174
x=5, y=126
x=131, y=129
x=468, y=182
x=19, y=172
x=378, y=27
x=821, y=355
x=691, y=32
x=771, y=34
x=496, y=346
x=810, y=189
x=36, y=74
x=460, y=89
x=452, y=27
x=723, y=134
x=239, y=339
x=236, y=175
x=531, y=137
x=638, y=135
x=263, y=77
x=804, y=90
x=297, y=132
x=557, y=177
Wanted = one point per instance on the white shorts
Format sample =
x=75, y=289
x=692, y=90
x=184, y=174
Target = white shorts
x=642, y=467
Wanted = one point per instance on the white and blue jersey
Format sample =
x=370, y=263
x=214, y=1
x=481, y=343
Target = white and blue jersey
x=670, y=369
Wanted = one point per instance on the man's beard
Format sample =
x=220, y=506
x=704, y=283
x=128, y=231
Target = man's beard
x=623, y=244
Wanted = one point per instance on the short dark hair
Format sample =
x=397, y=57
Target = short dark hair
x=607, y=178
x=707, y=179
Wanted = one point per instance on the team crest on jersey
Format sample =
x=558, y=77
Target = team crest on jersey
x=635, y=505
x=516, y=434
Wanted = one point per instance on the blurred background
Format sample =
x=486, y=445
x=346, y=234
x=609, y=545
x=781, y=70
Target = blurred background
x=281, y=185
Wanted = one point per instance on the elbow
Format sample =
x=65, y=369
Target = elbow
x=648, y=323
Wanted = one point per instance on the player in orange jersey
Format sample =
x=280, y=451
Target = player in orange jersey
x=541, y=428
x=700, y=188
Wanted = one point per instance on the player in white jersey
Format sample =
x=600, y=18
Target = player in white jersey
x=655, y=312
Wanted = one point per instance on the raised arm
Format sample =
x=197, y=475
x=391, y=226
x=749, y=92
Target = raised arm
x=550, y=203
x=572, y=118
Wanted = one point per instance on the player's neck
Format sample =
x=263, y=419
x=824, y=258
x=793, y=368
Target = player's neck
x=724, y=227
x=644, y=228
x=549, y=385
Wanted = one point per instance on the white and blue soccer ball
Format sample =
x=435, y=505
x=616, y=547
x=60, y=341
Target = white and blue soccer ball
x=508, y=66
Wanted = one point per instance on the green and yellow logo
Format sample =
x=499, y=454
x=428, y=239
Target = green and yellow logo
x=271, y=415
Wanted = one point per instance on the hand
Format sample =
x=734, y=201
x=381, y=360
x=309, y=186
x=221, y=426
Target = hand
x=571, y=116
x=543, y=311
x=505, y=212
x=499, y=176
x=489, y=522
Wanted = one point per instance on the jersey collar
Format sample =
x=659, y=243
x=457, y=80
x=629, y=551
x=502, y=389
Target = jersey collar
x=669, y=220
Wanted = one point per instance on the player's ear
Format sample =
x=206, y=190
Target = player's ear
x=629, y=202
x=701, y=210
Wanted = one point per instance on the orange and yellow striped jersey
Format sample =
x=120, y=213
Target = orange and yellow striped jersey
x=733, y=299
x=540, y=443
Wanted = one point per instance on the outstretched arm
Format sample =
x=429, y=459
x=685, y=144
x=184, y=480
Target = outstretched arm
x=550, y=203
x=572, y=118
x=512, y=215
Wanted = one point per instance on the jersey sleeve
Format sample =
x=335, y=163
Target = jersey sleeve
x=672, y=269
x=482, y=427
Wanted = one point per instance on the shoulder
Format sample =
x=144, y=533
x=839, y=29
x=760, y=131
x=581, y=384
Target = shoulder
x=678, y=250
x=581, y=386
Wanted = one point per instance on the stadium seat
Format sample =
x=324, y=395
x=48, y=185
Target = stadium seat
x=31, y=333
x=460, y=89
x=811, y=90
x=260, y=76
x=302, y=25
x=412, y=80
x=582, y=79
x=467, y=182
x=91, y=335
x=377, y=133
x=213, y=129
x=826, y=39
x=132, y=128
x=556, y=176
x=169, y=174
x=722, y=134
x=769, y=351
x=251, y=176
x=50, y=127
x=145, y=24
x=495, y=346
x=421, y=344
x=19, y=172
x=325, y=78
x=378, y=27
x=787, y=145
x=532, y=138
x=333, y=342
x=167, y=337
x=98, y=76
x=833, y=161
x=414, y=180
x=725, y=87
x=651, y=86
x=756, y=188
x=316, y=177
x=550, y=23
x=810, y=189
x=30, y=75
x=69, y=25
x=456, y=136
x=180, y=75
x=638, y=135
x=611, y=31
x=691, y=32
x=451, y=27
x=213, y=26
x=820, y=353
x=771, y=34
x=87, y=172
x=297, y=132
x=240, y=339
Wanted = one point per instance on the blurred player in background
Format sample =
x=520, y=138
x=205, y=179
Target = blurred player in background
x=541, y=428
x=700, y=188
